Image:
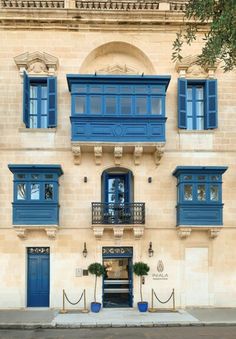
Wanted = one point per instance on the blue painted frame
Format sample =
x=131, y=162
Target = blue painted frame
x=41, y=211
x=118, y=127
x=194, y=211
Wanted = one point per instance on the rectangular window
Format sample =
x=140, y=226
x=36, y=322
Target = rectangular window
x=48, y=192
x=188, y=192
x=34, y=191
x=197, y=104
x=21, y=191
x=39, y=102
x=214, y=193
x=201, y=192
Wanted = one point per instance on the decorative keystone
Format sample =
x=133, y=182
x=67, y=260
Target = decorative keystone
x=98, y=155
x=118, y=153
x=158, y=154
x=138, y=232
x=189, y=67
x=118, y=232
x=138, y=152
x=184, y=232
x=76, y=150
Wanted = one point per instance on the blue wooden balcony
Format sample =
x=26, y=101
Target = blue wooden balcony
x=109, y=108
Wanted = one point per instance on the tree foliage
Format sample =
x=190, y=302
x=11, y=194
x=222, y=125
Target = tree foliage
x=141, y=269
x=97, y=269
x=220, y=39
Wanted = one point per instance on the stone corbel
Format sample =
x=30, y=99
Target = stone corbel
x=118, y=232
x=76, y=150
x=98, y=155
x=159, y=151
x=21, y=232
x=138, y=152
x=184, y=232
x=98, y=232
x=118, y=153
x=138, y=232
x=51, y=232
x=214, y=232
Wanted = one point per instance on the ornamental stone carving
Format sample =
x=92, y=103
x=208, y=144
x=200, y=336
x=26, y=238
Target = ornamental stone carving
x=37, y=63
x=118, y=153
x=117, y=69
x=98, y=155
x=214, y=232
x=184, y=232
x=118, y=232
x=158, y=154
x=76, y=150
x=189, y=67
x=138, y=232
x=138, y=152
x=98, y=232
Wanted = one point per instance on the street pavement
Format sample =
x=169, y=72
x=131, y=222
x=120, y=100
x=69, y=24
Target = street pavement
x=190, y=332
x=116, y=318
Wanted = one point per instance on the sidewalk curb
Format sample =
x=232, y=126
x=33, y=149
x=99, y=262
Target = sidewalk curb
x=27, y=326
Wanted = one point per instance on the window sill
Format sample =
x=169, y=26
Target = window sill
x=37, y=130
x=188, y=131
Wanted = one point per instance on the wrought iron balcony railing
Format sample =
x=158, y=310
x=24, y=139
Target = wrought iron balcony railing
x=109, y=213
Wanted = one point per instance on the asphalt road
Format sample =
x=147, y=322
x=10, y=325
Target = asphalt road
x=195, y=332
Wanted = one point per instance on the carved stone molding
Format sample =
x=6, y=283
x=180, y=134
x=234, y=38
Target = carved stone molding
x=37, y=63
x=98, y=155
x=138, y=232
x=118, y=232
x=159, y=151
x=98, y=232
x=214, y=232
x=184, y=232
x=76, y=150
x=118, y=153
x=138, y=152
x=189, y=67
x=117, y=69
x=23, y=231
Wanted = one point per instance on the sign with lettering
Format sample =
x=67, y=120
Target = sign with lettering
x=161, y=274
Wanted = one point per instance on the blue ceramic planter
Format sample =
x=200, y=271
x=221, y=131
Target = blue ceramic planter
x=95, y=307
x=143, y=306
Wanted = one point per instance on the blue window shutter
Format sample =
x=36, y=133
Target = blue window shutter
x=211, y=104
x=182, y=103
x=105, y=187
x=26, y=100
x=52, y=101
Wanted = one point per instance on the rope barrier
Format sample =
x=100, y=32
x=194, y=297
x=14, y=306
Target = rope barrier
x=65, y=298
x=152, y=309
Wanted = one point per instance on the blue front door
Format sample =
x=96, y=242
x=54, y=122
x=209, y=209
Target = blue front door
x=38, y=277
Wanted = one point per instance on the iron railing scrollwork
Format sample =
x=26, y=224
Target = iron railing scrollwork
x=110, y=213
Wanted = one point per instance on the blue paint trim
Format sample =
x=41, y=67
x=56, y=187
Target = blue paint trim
x=182, y=103
x=26, y=99
x=52, y=101
x=36, y=168
x=199, y=170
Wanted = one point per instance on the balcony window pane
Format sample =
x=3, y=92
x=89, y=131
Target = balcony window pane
x=125, y=105
x=48, y=176
x=44, y=121
x=33, y=106
x=200, y=108
x=156, y=105
x=215, y=177
x=199, y=93
x=201, y=177
x=189, y=108
x=110, y=105
x=200, y=123
x=111, y=89
x=20, y=176
x=214, y=193
x=34, y=191
x=111, y=185
x=48, y=192
x=141, y=105
x=188, y=192
x=201, y=192
x=189, y=123
x=189, y=93
x=80, y=104
x=95, y=104
x=44, y=107
x=34, y=176
x=21, y=191
x=187, y=177
x=79, y=88
x=156, y=89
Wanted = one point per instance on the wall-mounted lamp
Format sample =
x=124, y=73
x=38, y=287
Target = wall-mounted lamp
x=85, y=251
x=150, y=250
x=149, y=180
x=85, y=179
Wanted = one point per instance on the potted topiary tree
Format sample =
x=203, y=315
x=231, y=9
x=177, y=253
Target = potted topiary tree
x=141, y=269
x=98, y=270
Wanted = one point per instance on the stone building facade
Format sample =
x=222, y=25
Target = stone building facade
x=109, y=147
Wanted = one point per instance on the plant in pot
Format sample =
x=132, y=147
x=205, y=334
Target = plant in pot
x=98, y=270
x=141, y=269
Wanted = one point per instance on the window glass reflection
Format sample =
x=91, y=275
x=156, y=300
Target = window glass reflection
x=188, y=192
x=21, y=191
x=201, y=192
x=34, y=191
x=48, y=191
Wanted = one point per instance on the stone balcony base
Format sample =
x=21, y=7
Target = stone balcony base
x=118, y=230
x=186, y=230
x=22, y=231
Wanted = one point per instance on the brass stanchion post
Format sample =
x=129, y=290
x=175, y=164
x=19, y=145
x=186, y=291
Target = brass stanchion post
x=173, y=299
x=152, y=309
x=85, y=310
x=63, y=302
